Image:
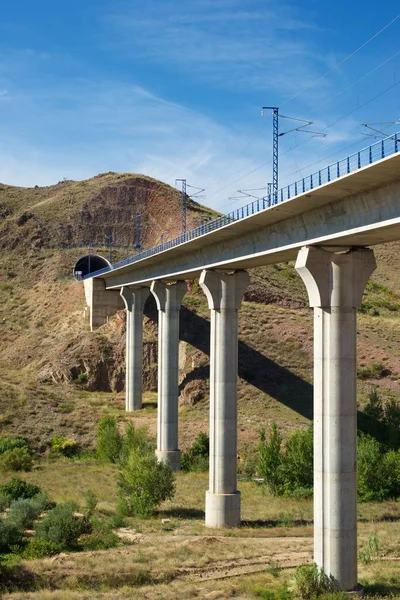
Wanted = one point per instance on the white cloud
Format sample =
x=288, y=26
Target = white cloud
x=226, y=43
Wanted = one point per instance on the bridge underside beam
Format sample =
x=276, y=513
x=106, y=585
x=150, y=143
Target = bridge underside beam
x=365, y=219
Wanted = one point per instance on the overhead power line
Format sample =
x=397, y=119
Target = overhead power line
x=310, y=85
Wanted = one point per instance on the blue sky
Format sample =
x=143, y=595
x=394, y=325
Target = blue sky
x=174, y=89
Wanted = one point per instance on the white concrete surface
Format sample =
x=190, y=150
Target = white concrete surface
x=134, y=299
x=169, y=299
x=101, y=303
x=360, y=209
x=335, y=285
x=224, y=294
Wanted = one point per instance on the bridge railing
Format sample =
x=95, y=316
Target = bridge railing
x=350, y=164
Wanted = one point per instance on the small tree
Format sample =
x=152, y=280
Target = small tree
x=145, y=483
x=298, y=462
x=372, y=482
x=109, y=441
x=270, y=459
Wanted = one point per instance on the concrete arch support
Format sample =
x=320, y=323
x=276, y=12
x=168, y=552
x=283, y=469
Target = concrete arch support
x=169, y=298
x=134, y=299
x=335, y=284
x=224, y=294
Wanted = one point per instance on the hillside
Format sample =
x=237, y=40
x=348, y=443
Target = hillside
x=56, y=377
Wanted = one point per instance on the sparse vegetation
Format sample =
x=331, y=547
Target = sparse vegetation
x=197, y=457
x=145, y=483
x=62, y=526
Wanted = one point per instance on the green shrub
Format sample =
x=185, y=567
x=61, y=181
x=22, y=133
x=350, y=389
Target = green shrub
x=270, y=459
x=371, y=480
x=24, y=512
x=62, y=446
x=37, y=548
x=374, y=408
x=370, y=551
x=282, y=593
x=391, y=471
x=10, y=535
x=18, y=488
x=17, y=459
x=298, y=462
x=373, y=371
x=197, y=457
x=109, y=441
x=135, y=438
x=311, y=582
x=145, y=483
x=9, y=443
x=62, y=526
x=90, y=502
x=5, y=501
x=99, y=540
x=82, y=378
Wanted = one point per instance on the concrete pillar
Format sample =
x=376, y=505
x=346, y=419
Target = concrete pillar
x=224, y=294
x=169, y=299
x=335, y=285
x=134, y=299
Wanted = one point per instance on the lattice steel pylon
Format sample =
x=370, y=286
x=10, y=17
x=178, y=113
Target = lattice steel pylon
x=275, y=137
x=183, y=202
x=275, y=149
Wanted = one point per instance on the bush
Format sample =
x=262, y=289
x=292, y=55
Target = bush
x=109, y=441
x=373, y=408
x=145, y=483
x=373, y=371
x=371, y=480
x=24, y=512
x=9, y=443
x=311, y=582
x=100, y=540
x=370, y=551
x=197, y=457
x=37, y=548
x=270, y=459
x=298, y=463
x=134, y=439
x=18, y=488
x=10, y=535
x=90, y=502
x=17, y=459
x=391, y=471
x=62, y=526
x=5, y=501
x=62, y=446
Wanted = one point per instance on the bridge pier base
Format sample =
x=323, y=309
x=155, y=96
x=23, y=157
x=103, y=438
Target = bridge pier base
x=335, y=285
x=224, y=294
x=134, y=299
x=169, y=299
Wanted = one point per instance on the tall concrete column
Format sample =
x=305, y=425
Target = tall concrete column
x=169, y=299
x=335, y=285
x=134, y=299
x=224, y=294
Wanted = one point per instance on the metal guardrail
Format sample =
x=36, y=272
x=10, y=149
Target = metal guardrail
x=350, y=164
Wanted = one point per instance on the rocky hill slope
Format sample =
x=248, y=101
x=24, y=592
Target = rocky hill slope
x=56, y=377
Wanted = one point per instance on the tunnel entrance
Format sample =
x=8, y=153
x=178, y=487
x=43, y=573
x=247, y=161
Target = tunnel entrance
x=89, y=264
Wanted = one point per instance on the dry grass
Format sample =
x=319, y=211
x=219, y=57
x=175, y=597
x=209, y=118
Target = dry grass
x=179, y=558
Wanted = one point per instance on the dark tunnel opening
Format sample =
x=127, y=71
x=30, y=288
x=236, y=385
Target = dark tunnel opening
x=89, y=264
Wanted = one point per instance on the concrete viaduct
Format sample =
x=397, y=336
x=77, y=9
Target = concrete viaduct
x=327, y=226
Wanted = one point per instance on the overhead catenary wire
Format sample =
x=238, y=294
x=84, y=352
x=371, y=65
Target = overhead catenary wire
x=305, y=141
x=310, y=85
